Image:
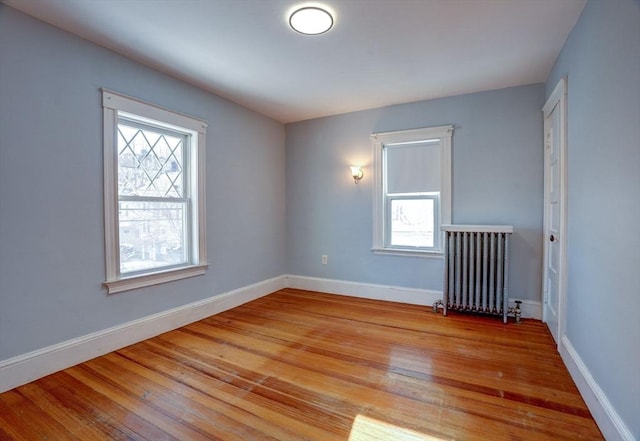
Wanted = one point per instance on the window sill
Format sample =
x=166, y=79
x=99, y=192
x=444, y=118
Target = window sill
x=409, y=253
x=134, y=282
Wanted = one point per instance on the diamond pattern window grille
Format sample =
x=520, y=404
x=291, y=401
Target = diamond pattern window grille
x=152, y=199
x=150, y=162
x=154, y=211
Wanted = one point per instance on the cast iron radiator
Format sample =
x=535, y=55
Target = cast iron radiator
x=476, y=270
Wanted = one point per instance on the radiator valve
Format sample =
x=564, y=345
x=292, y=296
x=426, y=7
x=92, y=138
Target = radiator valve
x=516, y=311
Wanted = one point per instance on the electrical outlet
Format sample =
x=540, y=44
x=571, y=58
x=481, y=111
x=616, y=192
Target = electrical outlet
x=325, y=259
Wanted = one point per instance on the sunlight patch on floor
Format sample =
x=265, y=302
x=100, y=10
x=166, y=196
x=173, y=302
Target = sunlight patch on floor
x=368, y=429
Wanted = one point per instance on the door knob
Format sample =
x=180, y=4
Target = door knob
x=552, y=238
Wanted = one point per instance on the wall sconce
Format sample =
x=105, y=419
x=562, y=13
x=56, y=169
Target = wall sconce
x=357, y=173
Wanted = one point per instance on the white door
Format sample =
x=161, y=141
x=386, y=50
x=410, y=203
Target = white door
x=554, y=292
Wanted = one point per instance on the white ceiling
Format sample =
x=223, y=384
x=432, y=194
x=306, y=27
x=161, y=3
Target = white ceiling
x=379, y=52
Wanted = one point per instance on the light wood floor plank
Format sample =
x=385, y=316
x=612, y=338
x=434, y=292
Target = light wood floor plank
x=301, y=365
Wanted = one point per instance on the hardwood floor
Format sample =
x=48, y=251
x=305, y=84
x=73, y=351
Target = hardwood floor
x=299, y=365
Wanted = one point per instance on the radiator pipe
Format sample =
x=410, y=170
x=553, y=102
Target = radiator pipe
x=514, y=311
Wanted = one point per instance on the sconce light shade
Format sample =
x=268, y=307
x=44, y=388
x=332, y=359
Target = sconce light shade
x=357, y=173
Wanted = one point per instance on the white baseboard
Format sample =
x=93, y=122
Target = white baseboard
x=605, y=415
x=365, y=290
x=529, y=308
x=33, y=365
x=426, y=297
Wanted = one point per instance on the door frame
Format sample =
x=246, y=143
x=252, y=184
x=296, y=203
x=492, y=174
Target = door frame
x=557, y=98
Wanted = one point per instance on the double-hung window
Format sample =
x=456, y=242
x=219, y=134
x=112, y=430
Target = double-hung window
x=154, y=193
x=412, y=190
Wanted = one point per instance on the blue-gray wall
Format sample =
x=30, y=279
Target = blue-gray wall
x=602, y=61
x=497, y=179
x=51, y=210
x=51, y=217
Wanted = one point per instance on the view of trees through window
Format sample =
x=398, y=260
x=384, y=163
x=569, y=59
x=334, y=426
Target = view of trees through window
x=412, y=222
x=152, y=202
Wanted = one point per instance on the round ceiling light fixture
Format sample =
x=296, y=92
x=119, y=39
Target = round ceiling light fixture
x=311, y=20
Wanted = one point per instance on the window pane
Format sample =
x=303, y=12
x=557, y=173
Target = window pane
x=152, y=235
x=412, y=222
x=150, y=162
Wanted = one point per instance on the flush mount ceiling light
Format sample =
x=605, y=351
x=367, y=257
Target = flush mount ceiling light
x=311, y=20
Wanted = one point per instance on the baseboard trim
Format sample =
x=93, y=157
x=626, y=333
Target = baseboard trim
x=415, y=296
x=605, y=415
x=529, y=308
x=27, y=367
x=364, y=290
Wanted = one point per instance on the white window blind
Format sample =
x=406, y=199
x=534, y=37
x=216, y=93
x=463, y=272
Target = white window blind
x=413, y=167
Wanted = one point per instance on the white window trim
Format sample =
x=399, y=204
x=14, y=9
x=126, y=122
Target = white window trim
x=378, y=141
x=115, y=104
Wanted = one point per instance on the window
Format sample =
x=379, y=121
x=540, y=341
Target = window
x=412, y=190
x=154, y=194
